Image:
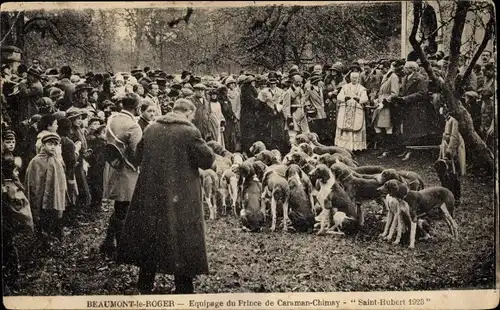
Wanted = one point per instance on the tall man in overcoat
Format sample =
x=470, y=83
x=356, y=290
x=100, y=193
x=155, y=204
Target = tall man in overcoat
x=412, y=109
x=164, y=231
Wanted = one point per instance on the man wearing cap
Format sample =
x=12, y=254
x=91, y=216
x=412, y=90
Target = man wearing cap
x=164, y=229
x=293, y=108
x=66, y=85
x=315, y=107
x=202, y=116
x=152, y=96
x=30, y=92
x=119, y=183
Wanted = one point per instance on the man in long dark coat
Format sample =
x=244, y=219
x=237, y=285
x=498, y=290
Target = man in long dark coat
x=249, y=113
x=413, y=110
x=164, y=229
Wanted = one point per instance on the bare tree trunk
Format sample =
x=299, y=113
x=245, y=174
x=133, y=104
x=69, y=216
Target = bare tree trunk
x=20, y=31
x=449, y=93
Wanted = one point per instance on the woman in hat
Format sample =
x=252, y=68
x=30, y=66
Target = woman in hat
x=389, y=90
x=351, y=123
x=217, y=120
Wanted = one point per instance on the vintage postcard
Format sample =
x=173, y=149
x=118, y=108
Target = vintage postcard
x=249, y=155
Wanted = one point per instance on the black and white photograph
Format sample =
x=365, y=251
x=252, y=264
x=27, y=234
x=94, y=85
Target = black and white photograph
x=176, y=149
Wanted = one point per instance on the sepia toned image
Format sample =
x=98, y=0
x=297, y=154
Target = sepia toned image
x=253, y=155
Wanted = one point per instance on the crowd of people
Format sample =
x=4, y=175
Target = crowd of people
x=61, y=130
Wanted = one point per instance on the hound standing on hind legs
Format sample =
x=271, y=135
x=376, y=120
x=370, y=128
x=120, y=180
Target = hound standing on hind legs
x=416, y=203
x=210, y=182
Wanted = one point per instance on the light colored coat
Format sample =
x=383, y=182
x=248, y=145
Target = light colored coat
x=454, y=144
x=119, y=184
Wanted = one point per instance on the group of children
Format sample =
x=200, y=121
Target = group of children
x=44, y=196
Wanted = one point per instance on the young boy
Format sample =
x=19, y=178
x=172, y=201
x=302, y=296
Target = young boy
x=46, y=188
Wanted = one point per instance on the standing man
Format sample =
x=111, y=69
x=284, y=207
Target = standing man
x=67, y=86
x=164, y=231
x=122, y=131
x=30, y=92
x=293, y=108
x=411, y=109
x=202, y=112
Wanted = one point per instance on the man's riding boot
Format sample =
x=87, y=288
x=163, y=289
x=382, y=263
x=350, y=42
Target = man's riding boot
x=183, y=285
x=108, y=246
x=146, y=280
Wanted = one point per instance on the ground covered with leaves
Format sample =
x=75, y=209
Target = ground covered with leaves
x=293, y=262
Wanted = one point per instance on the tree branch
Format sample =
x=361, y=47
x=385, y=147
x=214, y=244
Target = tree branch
x=456, y=39
x=487, y=36
x=417, y=5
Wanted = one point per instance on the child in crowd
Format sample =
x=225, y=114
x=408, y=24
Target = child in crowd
x=16, y=217
x=46, y=189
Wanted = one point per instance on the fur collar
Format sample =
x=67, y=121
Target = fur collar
x=174, y=118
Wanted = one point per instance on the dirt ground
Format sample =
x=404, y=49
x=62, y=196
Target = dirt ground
x=292, y=262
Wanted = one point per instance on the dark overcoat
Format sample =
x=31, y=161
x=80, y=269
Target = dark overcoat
x=165, y=222
x=249, y=116
x=415, y=110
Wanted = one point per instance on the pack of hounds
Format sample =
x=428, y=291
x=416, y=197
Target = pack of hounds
x=319, y=188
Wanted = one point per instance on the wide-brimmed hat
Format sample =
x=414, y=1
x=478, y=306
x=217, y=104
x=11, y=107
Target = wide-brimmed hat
x=249, y=79
x=272, y=81
x=230, y=80
x=135, y=70
x=355, y=66
x=242, y=78
x=315, y=78
x=96, y=119
x=72, y=113
x=83, y=87
x=173, y=93
x=293, y=72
